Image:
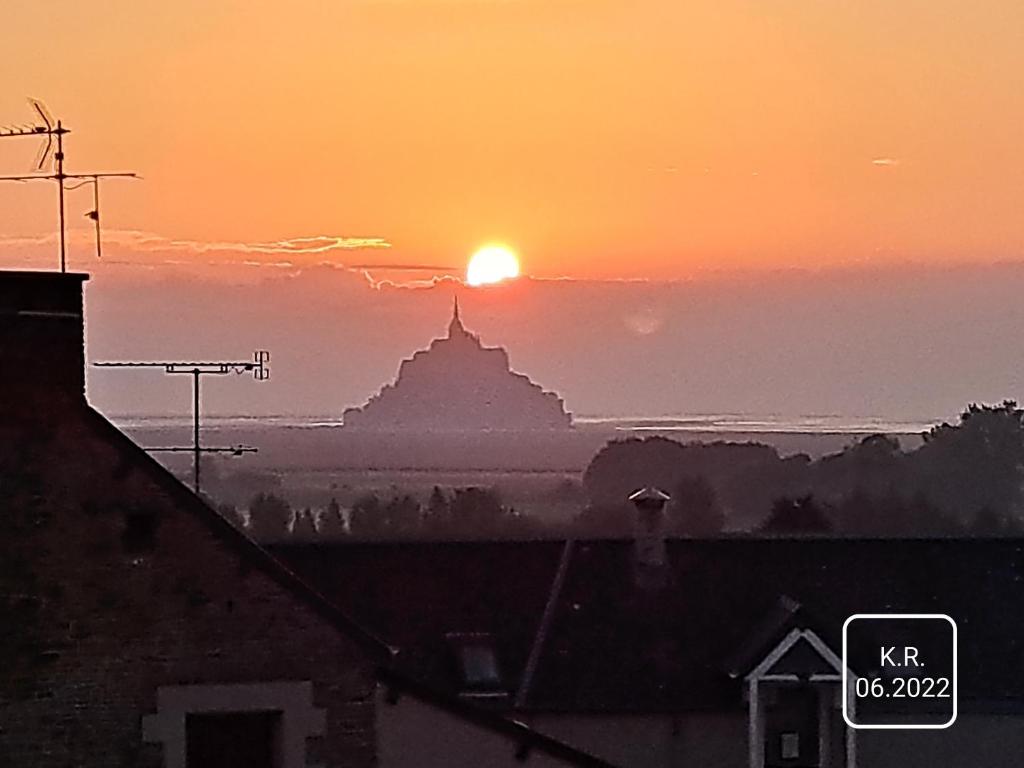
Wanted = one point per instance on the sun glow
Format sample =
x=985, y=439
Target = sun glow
x=492, y=264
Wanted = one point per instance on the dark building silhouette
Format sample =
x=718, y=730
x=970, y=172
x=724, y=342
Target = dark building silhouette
x=459, y=384
x=140, y=628
x=572, y=638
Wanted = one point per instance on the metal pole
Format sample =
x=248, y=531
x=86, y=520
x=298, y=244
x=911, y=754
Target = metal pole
x=96, y=212
x=197, y=369
x=60, y=193
x=195, y=428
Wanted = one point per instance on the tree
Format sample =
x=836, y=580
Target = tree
x=518, y=526
x=438, y=513
x=332, y=522
x=889, y=514
x=745, y=476
x=477, y=512
x=229, y=513
x=988, y=523
x=875, y=466
x=799, y=515
x=269, y=517
x=603, y=521
x=304, y=528
x=977, y=464
x=402, y=517
x=694, y=509
x=366, y=519
x=399, y=517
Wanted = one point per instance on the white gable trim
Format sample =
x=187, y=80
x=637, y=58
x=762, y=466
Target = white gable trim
x=761, y=674
x=761, y=671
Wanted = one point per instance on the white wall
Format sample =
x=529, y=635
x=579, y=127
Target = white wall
x=654, y=741
x=411, y=734
x=973, y=741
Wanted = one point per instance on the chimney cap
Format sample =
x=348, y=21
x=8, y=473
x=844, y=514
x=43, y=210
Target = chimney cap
x=27, y=292
x=41, y=275
x=649, y=497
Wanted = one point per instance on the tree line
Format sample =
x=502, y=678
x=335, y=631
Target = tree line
x=458, y=513
x=964, y=479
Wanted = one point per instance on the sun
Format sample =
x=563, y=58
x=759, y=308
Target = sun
x=492, y=264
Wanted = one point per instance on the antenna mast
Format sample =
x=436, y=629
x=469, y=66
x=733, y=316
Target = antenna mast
x=260, y=371
x=51, y=129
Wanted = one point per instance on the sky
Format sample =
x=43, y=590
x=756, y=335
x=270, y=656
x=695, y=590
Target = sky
x=911, y=344
x=661, y=149
x=600, y=138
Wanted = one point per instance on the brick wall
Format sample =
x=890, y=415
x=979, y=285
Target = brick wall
x=109, y=589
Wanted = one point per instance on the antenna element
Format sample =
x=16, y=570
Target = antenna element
x=51, y=129
x=258, y=366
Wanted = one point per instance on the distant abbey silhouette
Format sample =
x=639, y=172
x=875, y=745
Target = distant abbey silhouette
x=459, y=384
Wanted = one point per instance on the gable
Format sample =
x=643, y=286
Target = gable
x=803, y=661
x=801, y=654
x=125, y=584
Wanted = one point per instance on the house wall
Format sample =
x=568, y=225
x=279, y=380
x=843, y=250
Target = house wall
x=414, y=735
x=90, y=628
x=992, y=741
x=653, y=741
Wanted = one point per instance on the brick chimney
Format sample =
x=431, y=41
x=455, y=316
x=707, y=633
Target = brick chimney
x=42, y=344
x=650, y=567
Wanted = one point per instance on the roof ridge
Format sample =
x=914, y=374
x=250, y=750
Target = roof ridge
x=248, y=548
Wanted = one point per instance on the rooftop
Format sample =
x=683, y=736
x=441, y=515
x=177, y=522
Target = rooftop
x=607, y=644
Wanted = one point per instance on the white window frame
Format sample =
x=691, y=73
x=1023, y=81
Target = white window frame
x=300, y=719
x=762, y=674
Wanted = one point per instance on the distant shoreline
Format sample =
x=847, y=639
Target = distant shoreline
x=290, y=444
x=726, y=424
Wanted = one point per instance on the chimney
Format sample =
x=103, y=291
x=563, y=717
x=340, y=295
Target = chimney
x=650, y=565
x=42, y=345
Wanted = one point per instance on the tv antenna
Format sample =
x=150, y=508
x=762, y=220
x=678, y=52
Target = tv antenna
x=258, y=366
x=51, y=129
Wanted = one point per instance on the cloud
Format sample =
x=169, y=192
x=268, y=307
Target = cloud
x=135, y=255
x=296, y=245
x=885, y=161
x=148, y=242
x=136, y=248
x=405, y=267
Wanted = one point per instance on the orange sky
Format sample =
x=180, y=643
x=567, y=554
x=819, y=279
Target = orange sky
x=601, y=138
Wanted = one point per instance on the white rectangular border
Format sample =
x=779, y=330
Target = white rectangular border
x=846, y=672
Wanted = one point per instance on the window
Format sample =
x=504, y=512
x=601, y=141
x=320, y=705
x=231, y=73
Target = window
x=476, y=661
x=233, y=740
x=265, y=724
x=479, y=666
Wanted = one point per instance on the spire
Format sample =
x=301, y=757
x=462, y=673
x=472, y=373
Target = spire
x=455, y=326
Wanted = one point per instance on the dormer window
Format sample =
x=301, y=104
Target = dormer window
x=479, y=666
x=476, y=661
